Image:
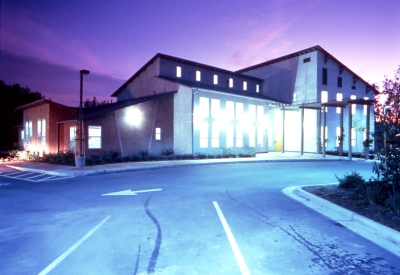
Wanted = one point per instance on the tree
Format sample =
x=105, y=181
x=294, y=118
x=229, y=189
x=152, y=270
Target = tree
x=94, y=102
x=387, y=117
x=11, y=97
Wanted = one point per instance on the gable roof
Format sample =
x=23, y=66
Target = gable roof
x=305, y=51
x=183, y=61
x=41, y=102
x=96, y=111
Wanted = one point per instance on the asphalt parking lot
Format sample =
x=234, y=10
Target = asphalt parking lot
x=215, y=219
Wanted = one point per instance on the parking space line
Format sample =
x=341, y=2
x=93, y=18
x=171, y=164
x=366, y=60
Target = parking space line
x=232, y=241
x=50, y=177
x=72, y=248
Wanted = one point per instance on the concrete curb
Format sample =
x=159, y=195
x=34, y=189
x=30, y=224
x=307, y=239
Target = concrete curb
x=383, y=236
x=68, y=171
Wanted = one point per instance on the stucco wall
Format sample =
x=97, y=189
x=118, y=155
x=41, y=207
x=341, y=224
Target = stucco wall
x=288, y=77
x=132, y=128
x=183, y=121
x=147, y=83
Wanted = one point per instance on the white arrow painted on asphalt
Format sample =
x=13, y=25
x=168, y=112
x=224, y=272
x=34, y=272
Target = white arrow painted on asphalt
x=130, y=192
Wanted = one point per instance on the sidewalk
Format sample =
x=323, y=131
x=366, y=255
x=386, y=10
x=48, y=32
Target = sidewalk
x=71, y=171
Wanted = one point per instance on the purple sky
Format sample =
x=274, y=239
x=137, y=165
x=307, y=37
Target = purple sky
x=45, y=43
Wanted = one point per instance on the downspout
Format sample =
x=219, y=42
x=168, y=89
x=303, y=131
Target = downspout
x=154, y=124
x=119, y=135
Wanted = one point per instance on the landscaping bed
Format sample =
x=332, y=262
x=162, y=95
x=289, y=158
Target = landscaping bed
x=349, y=199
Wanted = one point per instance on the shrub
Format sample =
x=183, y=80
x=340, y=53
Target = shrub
x=167, y=152
x=394, y=202
x=62, y=157
x=201, y=156
x=371, y=192
x=350, y=181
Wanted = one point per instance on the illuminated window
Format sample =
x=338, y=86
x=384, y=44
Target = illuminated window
x=203, y=134
x=353, y=106
x=28, y=132
x=239, y=127
x=215, y=79
x=229, y=135
x=39, y=132
x=94, y=137
x=365, y=107
x=260, y=125
x=324, y=99
x=178, y=71
x=294, y=97
x=252, y=127
x=214, y=135
x=257, y=88
x=72, y=138
x=244, y=86
x=252, y=136
x=230, y=83
x=22, y=134
x=230, y=117
x=198, y=75
x=158, y=134
x=339, y=97
x=204, y=107
x=215, y=113
x=353, y=137
x=324, y=96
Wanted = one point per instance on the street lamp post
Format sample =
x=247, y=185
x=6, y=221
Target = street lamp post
x=80, y=159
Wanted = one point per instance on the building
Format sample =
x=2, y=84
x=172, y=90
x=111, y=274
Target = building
x=292, y=103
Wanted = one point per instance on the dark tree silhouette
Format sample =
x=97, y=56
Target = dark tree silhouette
x=11, y=97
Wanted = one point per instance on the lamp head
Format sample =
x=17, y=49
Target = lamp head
x=84, y=72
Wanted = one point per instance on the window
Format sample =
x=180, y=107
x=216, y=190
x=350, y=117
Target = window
x=306, y=60
x=324, y=99
x=178, y=71
x=215, y=79
x=260, y=127
x=72, y=138
x=22, y=135
x=324, y=96
x=239, y=127
x=244, y=86
x=158, y=134
x=252, y=128
x=353, y=106
x=204, y=107
x=324, y=76
x=353, y=87
x=28, y=132
x=215, y=113
x=41, y=133
x=230, y=116
x=203, y=134
x=257, y=88
x=294, y=97
x=230, y=83
x=198, y=75
x=339, y=82
x=339, y=97
x=94, y=141
x=365, y=107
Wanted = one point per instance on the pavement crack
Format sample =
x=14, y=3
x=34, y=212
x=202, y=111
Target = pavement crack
x=137, y=262
x=156, y=250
